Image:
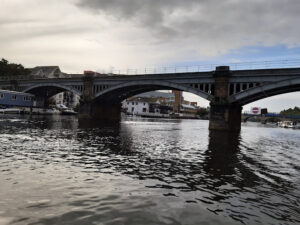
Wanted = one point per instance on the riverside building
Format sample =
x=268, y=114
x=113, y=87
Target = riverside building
x=160, y=104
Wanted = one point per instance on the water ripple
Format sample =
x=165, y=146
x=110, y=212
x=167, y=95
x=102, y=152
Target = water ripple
x=55, y=170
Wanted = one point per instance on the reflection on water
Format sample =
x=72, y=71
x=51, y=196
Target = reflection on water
x=56, y=170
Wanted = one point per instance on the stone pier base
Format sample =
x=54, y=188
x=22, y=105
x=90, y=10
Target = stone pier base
x=225, y=117
x=100, y=111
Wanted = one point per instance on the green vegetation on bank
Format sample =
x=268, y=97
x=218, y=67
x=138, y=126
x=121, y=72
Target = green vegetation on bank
x=290, y=111
x=202, y=112
x=12, y=69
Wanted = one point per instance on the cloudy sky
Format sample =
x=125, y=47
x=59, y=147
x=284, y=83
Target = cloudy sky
x=127, y=34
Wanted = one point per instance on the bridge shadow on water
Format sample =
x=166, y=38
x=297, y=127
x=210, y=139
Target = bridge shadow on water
x=219, y=164
x=216, y=176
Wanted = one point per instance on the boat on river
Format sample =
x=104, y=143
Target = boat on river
x=287, y=124
x=68, y=112
x=51, y=111
x=64, y=110
x=12, y=111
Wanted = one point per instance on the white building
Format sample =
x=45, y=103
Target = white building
x=160, y=104
x=146, y=107
x=67, y=98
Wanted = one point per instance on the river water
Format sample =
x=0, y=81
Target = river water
x=55, y=170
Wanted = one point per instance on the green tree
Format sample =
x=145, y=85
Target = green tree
x=202, y=112
x=290, y=111
x=12, y=69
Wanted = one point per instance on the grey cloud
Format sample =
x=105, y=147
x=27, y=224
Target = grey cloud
x=148, y=14
x=236, y=19
x=129, y=8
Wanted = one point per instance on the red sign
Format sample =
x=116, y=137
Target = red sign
x=255, y=110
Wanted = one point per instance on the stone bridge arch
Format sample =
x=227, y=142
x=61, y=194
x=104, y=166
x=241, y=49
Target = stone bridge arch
x=54, y=88
x=107, y=103
x=125, y=90
x=264, y=91
x=43, y=91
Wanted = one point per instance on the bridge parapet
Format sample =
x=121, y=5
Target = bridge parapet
x=234, y=66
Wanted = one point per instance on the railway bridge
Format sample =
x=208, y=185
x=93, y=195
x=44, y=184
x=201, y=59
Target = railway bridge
x=227, y=90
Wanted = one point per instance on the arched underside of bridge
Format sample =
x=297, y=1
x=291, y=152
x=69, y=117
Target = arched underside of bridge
x=106, y=105
x=49, y=90
x=121, y=92
x=265, y=91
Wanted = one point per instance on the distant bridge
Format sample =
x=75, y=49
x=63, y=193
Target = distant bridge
x=227, y=90
x=268, y=116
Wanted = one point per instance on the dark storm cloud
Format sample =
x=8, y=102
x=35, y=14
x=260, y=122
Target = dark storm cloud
x=256, y=19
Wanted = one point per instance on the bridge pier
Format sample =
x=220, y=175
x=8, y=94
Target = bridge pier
x=223, y=115
x=100, y=111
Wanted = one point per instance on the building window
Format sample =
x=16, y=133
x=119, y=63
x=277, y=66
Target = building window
x=1, y=95
x=14, y=97
x=144, y=109
x=144, y=103
x=27, y=98
x=132, y=109
x=132, y=103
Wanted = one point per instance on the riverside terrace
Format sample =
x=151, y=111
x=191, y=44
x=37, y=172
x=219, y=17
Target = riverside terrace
x=226, y=90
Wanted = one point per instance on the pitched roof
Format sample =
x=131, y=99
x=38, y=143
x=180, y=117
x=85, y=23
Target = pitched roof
x=188, y=106
x=156, y=94
x=45, y=69
x=142, y=99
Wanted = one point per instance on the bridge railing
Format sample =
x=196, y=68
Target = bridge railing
x=20, y=77
x=274, y=64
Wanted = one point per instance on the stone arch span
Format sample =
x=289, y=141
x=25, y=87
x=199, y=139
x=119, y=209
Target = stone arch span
x=55, y=89
x=264, y=91
x=125, y=90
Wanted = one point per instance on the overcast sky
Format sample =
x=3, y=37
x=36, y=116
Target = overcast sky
x=103, y=34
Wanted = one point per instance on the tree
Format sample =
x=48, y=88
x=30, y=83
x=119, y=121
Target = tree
x=290, y=111
x=202, y=112
x=12, y=69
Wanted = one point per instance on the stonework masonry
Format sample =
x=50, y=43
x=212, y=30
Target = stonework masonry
x=223, y=115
